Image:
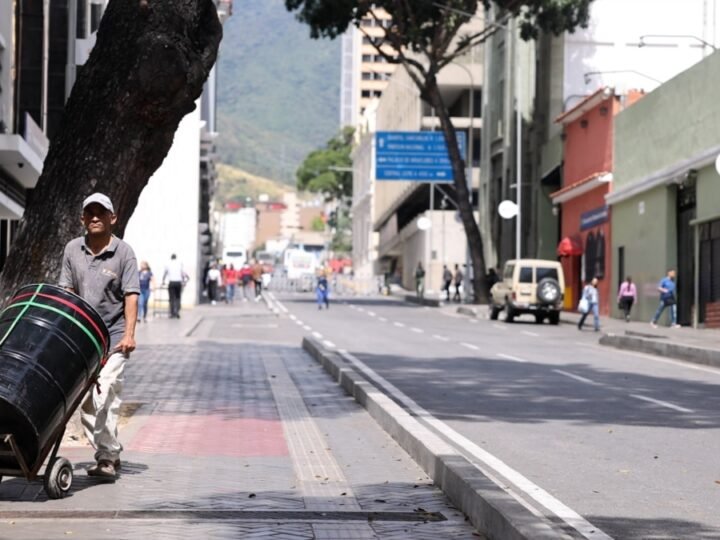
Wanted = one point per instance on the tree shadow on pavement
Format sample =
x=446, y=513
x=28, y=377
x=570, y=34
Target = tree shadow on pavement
x=487, y=389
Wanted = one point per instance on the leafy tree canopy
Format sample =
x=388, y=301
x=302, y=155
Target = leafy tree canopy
x=417, y=25
x=327, y=170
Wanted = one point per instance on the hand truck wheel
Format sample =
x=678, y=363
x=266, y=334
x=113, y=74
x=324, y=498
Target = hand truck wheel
x=58, y=478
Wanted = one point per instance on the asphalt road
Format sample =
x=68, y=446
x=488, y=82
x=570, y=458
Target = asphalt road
x=604, y=441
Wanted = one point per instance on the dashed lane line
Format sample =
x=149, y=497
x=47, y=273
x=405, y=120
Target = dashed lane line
x=371, y=313
x=531, y=334
x=470, y=346
x=500, y=326
x=662, y=403
x=399, y=324
x=577, y=377
x=417, y=330
x=513, y=358
x=441, y=338
x=329, y=344
x=317, y=335
x=382, y=319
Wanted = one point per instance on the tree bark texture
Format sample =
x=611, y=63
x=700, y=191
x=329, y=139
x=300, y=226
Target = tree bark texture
x=146, y=71
x=472, y=231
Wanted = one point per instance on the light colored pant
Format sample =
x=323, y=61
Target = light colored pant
x=100, y=410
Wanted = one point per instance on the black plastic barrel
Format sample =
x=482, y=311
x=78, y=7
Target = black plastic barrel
x=51, y=345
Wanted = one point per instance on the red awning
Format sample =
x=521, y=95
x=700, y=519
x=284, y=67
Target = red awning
x=569, y=246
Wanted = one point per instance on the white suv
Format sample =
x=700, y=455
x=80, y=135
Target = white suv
x=529, y=286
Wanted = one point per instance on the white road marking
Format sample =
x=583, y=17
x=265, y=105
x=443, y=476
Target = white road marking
x=298, y=322
x=662, y=403
x=417, y=330
x=329, y=344
x=532, y=334
x=470, y=346
x=472, y=320
x=371, y=313
x=317, y=335
x=382, y=319
x=293, y=318
x=500, y=326
x=524, y=485
x=513, y=358
x=577, y=377
x=399, y=324
x=254, y=325
x=308, y=328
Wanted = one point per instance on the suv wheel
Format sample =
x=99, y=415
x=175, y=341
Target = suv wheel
x=494, y=312
x=548, y=291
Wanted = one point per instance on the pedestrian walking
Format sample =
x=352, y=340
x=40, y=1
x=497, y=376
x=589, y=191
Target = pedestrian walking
x=176, y=279
x=145, y=276
x=491, y=278
x=257, y=273
x=102, y=269
x=419, y=280
x=230, y=278
x=458, y=278
x=213, y=280
x=245, y=279
x=667, y=288
x=322, y=292
x=627, y=295
x=592, y=300
x=447, y=280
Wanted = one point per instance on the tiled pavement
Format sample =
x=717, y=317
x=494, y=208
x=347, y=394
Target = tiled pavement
x=237, y=433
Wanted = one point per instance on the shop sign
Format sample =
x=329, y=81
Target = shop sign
x=593, y=218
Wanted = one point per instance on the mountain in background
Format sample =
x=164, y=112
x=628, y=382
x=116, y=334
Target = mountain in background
x=236, y=185
x=278, y=90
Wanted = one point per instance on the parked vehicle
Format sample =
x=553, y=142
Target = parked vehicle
x=531, y=286
x=235, y=255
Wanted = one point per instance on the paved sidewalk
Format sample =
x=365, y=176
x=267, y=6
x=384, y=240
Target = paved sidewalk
x=235, y=432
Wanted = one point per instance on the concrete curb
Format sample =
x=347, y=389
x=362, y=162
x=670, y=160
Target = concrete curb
x=430, y=302
x=490, y=509
x=687, y=353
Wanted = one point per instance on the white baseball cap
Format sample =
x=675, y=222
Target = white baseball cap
x=100, y=198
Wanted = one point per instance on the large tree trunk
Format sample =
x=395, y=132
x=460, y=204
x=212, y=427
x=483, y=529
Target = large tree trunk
x=144, y=74
x=472, y=231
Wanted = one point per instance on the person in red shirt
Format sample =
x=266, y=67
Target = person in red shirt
x=230, y=278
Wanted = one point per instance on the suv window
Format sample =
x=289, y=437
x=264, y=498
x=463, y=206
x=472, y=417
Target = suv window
x=526, y=274
x=543, y=273
x=508, y=271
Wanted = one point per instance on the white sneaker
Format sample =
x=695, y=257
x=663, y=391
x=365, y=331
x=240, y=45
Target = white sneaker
x=213, y=302
x=653, y=324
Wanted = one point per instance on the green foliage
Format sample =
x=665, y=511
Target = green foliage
x=317, y=224
x=278, y=91
x=417, y=24
x=324, y=171
x=341, y=242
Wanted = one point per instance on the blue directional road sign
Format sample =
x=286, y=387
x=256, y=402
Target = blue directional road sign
x=420, y=156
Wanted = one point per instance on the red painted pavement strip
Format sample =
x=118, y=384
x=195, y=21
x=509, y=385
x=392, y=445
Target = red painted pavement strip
x=210, y=435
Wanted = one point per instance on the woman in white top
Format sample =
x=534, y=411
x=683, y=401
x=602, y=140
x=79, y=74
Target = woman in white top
x=590, y=293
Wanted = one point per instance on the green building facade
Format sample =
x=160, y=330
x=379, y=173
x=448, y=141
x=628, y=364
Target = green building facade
x=665, y=203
